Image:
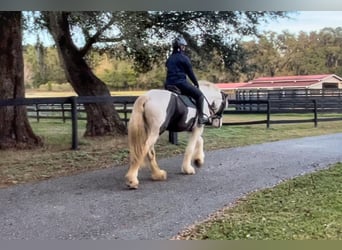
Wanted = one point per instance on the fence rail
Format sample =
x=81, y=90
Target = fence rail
x=70, y=105
x=73, y=108
x=63, y=111
x=289, y=106
x=282, y=94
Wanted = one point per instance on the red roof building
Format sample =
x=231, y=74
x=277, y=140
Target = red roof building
x=231, y=85
x=323, y=81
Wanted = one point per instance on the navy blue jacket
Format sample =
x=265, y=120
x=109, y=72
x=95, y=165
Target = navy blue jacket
x=178, y=68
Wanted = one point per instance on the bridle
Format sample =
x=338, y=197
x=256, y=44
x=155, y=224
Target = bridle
x=219, y=112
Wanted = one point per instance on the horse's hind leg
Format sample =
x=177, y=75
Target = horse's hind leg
x=149, y=152
x=136, y=161
x=132, y=173
x=157, y=173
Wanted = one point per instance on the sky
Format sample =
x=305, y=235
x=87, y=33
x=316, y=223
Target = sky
x=306, y=21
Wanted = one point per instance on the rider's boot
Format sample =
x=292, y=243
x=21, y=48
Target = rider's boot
x=202, y=118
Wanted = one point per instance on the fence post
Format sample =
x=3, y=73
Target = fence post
x=244, y=99
x=258, y=98
x=315, y=112
x=268, y=114
x=125, y=114
x=173, y=137
x=74, y=122
x=63, y=112
x=37, y=112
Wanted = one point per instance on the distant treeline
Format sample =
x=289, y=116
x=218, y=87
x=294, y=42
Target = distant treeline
x=271, y=55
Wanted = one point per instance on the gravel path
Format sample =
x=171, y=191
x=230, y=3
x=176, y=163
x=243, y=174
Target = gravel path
x=97, y=204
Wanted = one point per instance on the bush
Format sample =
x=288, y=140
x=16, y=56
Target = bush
x=54, y=86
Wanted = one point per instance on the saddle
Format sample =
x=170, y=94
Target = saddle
x=187, y=100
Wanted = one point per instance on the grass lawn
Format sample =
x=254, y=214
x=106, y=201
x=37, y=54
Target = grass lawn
x=307, y=207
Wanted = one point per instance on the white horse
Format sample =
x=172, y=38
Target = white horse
x=160, y=110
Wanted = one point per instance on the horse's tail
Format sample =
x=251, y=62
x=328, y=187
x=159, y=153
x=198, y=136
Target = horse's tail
x=138, y=132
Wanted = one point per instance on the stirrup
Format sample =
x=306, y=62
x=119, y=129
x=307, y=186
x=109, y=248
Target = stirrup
x=202, y=120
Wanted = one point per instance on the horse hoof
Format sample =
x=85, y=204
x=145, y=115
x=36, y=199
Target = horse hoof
x=190, y=170
x=161, y=176
x=132, y=184
x=198, y=163
x=132, y=187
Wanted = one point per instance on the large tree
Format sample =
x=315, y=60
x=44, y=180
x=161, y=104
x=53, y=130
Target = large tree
x=145, y=36
x=15, y=130
x=101, y=118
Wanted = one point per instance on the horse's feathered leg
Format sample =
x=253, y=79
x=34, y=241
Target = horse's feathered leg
x=157, y=173
x=143, y=133
x=198, y=156
x=190, y=149
x=137, y=136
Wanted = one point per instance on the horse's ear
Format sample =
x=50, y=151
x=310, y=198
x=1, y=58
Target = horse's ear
x=225, y=96
x=213, y=106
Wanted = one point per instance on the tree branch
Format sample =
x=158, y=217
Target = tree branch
x=96, y=37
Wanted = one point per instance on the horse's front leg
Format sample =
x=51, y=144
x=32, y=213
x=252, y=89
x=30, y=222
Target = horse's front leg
x=198, y=156
x=190, y=149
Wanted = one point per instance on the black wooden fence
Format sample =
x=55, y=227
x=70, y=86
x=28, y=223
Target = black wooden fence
x=72, y=108
x=70, y=105
x=328, y=105
x=282, y=94
x=38, y=111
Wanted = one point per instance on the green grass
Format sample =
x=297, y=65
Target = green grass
x=307, y=207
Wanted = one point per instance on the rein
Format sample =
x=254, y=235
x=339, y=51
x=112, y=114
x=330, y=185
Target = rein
x=219, y=112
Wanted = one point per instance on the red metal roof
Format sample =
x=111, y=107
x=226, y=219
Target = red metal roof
x=311, y=78
x=281, y=84
x=301, y=81
x=231, y=85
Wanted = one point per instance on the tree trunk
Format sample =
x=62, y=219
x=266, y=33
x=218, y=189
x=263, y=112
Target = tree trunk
x=102, y=119
x=15, y=129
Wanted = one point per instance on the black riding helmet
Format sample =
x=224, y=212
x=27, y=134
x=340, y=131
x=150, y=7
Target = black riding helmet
x=178, y=42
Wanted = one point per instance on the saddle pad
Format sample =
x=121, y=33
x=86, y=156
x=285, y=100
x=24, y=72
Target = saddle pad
x=188, y=101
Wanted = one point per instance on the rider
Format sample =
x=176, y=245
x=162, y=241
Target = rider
x=178, y=68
